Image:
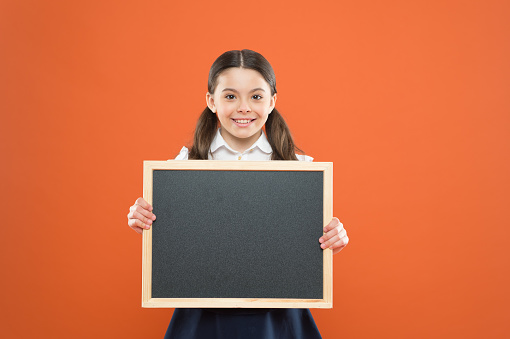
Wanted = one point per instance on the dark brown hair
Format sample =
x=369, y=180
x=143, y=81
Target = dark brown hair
x=277, y=131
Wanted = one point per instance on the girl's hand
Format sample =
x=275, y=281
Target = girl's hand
x=140, y=216
x=335, y=237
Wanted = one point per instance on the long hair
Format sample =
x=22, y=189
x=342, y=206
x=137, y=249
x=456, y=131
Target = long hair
x=277, y=131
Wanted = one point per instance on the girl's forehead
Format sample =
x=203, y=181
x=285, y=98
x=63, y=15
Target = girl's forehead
x=241, y=78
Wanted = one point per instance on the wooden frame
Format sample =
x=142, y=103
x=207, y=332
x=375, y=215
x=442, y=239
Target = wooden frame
x=150, y=302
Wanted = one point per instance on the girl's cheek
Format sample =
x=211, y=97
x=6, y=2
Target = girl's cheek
x=228, y=106
x=259, y=106
x=223, y=109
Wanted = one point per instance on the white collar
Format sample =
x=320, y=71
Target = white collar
x=261, y=143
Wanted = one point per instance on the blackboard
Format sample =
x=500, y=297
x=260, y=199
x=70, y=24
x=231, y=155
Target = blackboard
x=237, y=234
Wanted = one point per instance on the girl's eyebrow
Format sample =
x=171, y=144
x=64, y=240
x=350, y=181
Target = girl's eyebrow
x=234, y=90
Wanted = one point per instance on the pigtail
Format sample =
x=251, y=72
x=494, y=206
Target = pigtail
x=204, y=134
x=279, y=137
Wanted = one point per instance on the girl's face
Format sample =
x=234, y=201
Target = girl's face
x=242, y=100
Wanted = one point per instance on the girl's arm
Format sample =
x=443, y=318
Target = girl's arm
x=336, y=236
x=140, y=216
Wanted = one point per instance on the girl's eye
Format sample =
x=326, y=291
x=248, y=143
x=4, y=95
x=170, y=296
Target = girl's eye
x=230, y=96
x=257, y=97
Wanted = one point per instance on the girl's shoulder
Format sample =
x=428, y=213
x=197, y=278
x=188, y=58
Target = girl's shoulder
x=183, y=155
x=303, y=157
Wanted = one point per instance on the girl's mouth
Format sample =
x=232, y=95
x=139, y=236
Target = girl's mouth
x=242, y=122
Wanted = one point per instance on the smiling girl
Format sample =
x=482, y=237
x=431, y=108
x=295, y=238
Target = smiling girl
x=241, y=101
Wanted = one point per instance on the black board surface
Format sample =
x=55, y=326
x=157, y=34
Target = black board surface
x=237, y=234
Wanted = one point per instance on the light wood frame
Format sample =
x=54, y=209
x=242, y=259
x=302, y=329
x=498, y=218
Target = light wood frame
x=325, y=302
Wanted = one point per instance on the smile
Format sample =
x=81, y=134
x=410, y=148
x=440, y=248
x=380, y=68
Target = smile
x=243, y=121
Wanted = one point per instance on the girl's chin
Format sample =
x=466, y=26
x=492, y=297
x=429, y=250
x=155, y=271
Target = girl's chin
x=245, y=136
x=245, y=133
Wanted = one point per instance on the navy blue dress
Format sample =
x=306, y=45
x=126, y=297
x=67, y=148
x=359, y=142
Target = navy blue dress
x=283, y=323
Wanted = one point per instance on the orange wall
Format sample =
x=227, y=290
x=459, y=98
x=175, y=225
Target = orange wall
x=409, y=99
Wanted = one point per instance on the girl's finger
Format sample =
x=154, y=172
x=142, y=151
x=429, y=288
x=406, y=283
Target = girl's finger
x=332, y=224
x=335, y=231
x=137, y=223
x=142, y=211
x=341, y=233
x=140, y=224
x=333, y=240
x=143, y=203
x=142, y=218
x=338, y=245
x=341, y=243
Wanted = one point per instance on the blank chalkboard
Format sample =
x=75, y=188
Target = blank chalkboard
x=237, y=234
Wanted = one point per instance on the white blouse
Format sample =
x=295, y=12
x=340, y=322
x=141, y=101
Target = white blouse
x=260, y=151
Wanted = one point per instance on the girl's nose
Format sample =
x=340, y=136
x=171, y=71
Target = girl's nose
x=243, y=107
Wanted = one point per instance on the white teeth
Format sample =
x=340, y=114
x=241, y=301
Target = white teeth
x=242, y=121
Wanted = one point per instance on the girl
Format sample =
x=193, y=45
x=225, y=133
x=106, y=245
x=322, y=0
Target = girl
x=241, y=101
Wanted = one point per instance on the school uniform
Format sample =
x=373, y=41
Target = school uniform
x=194, y=323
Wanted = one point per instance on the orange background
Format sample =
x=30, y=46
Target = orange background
x=409, y=99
